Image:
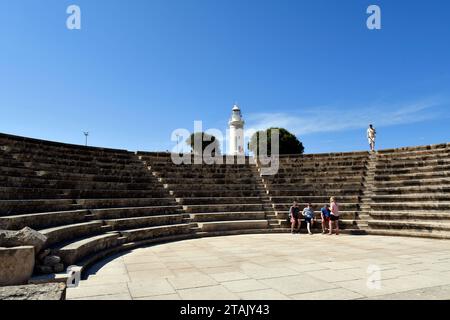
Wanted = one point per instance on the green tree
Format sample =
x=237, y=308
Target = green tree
x=289, y=144
x=206, y=140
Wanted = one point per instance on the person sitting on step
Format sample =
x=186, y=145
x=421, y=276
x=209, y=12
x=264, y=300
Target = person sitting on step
x=308, y=213
x=325, y=216
x=334, y=217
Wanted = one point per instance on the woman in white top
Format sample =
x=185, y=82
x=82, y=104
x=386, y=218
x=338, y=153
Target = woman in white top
x=334, y=216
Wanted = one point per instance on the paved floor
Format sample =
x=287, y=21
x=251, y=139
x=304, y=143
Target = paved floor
x=277, y=266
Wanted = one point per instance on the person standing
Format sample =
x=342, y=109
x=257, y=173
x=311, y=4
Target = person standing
x=334, y=216
x=308, y=213
x=371, y=135
x=325, y=216
x=294, y=215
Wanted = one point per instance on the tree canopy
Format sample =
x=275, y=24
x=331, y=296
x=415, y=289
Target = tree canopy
x=289, y=144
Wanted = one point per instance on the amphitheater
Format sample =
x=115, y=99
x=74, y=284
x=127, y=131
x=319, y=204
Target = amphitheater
x=220, y=231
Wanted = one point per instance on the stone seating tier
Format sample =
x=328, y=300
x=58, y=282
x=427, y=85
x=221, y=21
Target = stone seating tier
x=223, y=208
x=312, y=179
x=227, y=216
x=213, y=186
x=412, y=190
x=412, y=182
x=217, y=200
x=303, y=200
x=121, y=176
x=429, y=215
x=417, y=170
x=18, y=207
x=10, y=193
x=187, y=193
x=407, y=176
x=315, y=192
x=64, y=184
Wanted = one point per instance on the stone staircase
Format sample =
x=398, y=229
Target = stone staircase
x=368, y=187
x=411, y=192
x=271, y=216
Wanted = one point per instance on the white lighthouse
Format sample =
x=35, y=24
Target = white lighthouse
x=236, y=139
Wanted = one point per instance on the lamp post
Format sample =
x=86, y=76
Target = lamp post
x=86, y=134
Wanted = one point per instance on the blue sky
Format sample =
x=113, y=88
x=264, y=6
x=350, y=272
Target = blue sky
x=139, y=69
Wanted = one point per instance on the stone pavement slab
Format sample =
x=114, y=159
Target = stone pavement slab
x=274, y=266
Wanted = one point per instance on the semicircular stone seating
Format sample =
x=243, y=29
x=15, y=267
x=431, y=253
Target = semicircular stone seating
x=92, y=202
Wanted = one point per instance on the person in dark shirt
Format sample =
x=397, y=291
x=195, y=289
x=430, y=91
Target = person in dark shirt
x=294, y=215
x=325, y=215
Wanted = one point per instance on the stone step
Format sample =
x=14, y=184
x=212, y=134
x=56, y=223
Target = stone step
x=125, y=202
x=155, y=232
x=437, y=148
x=133, y=212
x=413, y=157
x=43, y=220
x=412, y=182
x=406, y=206
x=406, y=176
x=38, y=183
x=233, y=225
x=409, y=233
x=409, y=224
x=46, y=193
x=227, y=216
x=218, y=200
x=19, y=207
x=315, y=186
x=222, y=208
x=278, y=180
x=397, y=163
x=71, y=231
x=323, y=192
x=207, y=180
x=72, y=252
x=187, y=193
x=411, y=190
x=214, y=187
x=142, y=222
x=436, y=215
x=414, y=197
x=412, y=170
x=313, y=199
